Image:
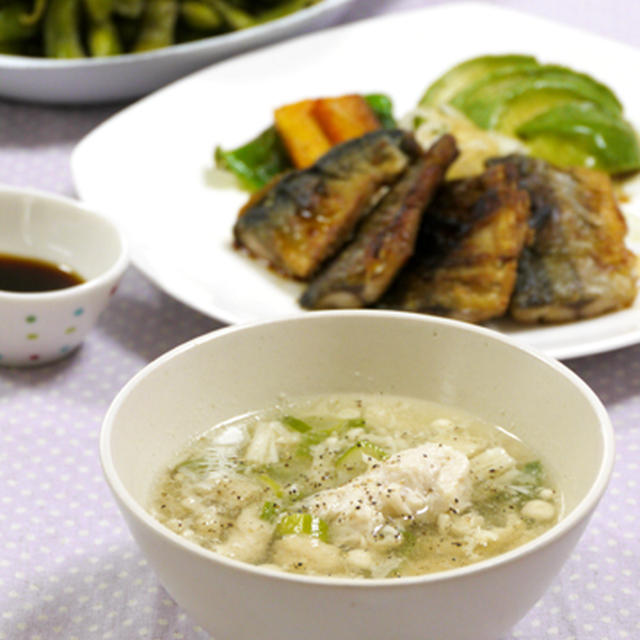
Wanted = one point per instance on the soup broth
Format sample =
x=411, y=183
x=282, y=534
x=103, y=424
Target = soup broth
x=364, y=486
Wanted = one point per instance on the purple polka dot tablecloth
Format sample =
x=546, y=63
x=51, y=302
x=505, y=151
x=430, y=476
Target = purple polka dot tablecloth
x=69, y=568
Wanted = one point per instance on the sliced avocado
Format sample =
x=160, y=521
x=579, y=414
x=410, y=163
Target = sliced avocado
x=527, y=106
x=483, y=101
x=470, y=71
x=580, y=134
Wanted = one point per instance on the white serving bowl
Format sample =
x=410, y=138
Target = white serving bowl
x=124, y=77
x=41, y=327
x=246, y=368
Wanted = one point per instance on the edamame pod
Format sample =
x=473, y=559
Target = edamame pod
x=158, y=25
x=282, y=9
x=103, y=39
x=98, y=10
x=61, y=30
x=15, y=48
x=36, y=13
x=12, y=26
x=130, y=8
x=235, y=17
x=201, y=16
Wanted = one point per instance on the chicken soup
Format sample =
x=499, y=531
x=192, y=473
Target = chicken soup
x=358, y=486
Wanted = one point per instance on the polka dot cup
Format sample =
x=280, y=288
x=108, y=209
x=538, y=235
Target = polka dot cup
x=41, y=327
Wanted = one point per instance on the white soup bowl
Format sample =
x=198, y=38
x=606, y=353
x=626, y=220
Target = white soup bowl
x=246, y=368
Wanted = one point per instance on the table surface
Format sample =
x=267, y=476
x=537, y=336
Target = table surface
x=68, y=566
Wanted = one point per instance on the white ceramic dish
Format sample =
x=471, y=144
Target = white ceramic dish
x=40, y=327
x=239, y=369
x=95, y=80
x=178, y=213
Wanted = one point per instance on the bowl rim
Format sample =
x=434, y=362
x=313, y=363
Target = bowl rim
x=582, y=510
x=115, y=270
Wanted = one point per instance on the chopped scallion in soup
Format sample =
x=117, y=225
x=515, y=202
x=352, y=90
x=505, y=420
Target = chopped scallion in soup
x=365, y=486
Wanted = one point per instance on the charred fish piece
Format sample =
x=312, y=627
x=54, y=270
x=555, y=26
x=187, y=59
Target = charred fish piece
x=466, y=258
x=385, y=239
x=306, y=216
x=578, y=265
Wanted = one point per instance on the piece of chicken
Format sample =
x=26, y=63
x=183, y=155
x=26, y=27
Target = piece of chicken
x=416, y=484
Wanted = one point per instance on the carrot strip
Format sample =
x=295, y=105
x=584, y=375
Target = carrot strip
x=344, y=117
x=300, y=132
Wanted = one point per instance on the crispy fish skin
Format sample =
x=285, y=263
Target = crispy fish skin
x=578, y=265
x=385, y=240
x=307, y=215
x=465, y=263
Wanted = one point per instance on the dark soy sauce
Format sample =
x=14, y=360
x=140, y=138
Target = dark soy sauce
x=30, y=275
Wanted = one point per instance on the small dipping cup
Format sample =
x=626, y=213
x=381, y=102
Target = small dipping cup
x=41, y=327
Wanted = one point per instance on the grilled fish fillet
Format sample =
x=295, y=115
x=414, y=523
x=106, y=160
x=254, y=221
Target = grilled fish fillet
x=578, y=266
x=306, y=216
x=385, y=240
x=465, y=262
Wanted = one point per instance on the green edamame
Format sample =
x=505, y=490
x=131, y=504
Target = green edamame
x=104, y=39
x=129, y=8
x=79, y=28
x=201, y=16
x=61, y=30
x=98, y=10
x=12, y=26
x=158, y=24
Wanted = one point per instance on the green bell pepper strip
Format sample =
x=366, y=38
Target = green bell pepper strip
x=61, y=30
x=260, y=160
x=382, y=106
x=304, y=524
x=256, y=162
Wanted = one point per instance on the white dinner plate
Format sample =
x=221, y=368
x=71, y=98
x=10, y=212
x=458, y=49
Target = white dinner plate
x=114, y=78
x=151, y=169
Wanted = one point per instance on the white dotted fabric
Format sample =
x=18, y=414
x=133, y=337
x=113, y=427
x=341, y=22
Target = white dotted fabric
x=68, y=566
